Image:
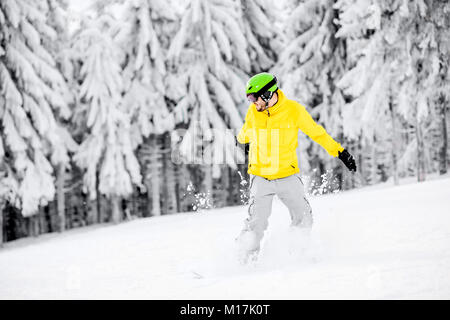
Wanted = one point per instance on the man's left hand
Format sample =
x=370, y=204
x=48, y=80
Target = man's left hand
x=348, y=160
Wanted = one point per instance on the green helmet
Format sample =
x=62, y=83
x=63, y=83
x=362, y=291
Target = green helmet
x=261, y=85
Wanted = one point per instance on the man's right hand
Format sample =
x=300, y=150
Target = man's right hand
x=246, y=146
x=348, y=160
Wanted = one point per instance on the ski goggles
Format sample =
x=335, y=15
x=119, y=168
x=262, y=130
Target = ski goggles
x=252, y=97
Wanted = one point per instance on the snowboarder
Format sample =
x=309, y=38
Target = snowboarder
x=271, y=127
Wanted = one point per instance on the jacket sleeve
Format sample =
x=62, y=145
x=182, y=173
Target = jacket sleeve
x=244, y=134
x=317, y=133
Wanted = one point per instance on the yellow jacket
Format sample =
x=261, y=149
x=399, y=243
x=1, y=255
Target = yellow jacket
x=273, y=137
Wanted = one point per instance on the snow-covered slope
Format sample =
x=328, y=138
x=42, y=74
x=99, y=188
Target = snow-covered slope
x=375, y=243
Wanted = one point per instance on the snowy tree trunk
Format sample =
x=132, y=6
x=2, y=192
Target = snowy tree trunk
x=92, y=212
x=156, y=206
x=176, y=171
x=220, y=188
x=420, y=152
x=1, y=222
x=208, y=179
x=361, y=164
x=53, y=217
x=37, y=224
x=150, y=160
x=373, y=169
x=226, y=181
x=232, y=185
x=41, y=220
x=155, y=176
x=29, y=229
x=33, y=225
x=171, y=189
x=148, y=210
x=394, y=142
x=60, y=178
x=182, y=182
x=443, y=151
x=116, y=203
x=101, y=208
x=170, y=202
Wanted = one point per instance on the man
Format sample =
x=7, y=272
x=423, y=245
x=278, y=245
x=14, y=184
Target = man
x=271, y=127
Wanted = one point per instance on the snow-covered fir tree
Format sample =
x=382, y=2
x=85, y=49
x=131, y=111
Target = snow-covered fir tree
x=425, y=87
x=210, y=55
x=369, y=117
x=262, y=29
x=59, y=48
x=144, y=25
x=394, y=66
x=32, y=98
x=144, y=36
x=309, y=66
x=106, y=153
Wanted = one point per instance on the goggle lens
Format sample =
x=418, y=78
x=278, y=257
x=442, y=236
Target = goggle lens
x=252, y=97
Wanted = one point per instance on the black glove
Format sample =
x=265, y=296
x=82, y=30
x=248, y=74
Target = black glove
x=348, y=160
x=246, y=146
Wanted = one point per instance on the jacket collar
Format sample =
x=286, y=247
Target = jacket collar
x=275, y=108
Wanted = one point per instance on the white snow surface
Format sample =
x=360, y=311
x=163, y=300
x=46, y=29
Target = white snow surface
x=371, y=243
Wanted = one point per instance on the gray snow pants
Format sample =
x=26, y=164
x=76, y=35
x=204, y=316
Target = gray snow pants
x=291, y=192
